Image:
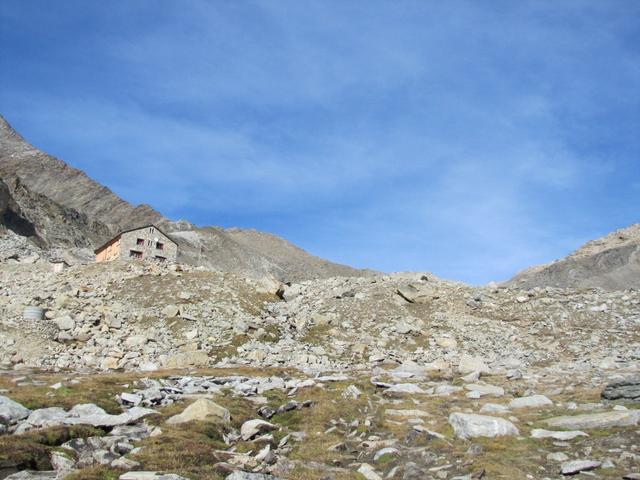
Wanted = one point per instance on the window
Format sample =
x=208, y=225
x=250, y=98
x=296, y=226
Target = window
x=160, y=259
x=140, y=241
x=135, y=254
x=160, y=246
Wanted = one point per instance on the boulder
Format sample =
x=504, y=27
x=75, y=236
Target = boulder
x=494, y=408
x=150, y=476
x=414, y=294
x=351, y=392
x=368, y=472
x=400, y=388
x=65, y=323
x=484, y=389
x=43, y=417
x=170, y=311
x=133, y=415
x=596, y=420
x=577, y=466
x=197, y=358
x=252, y=428
x=238, y=475
x=469, y=425
x=563, y=435
x=469, y=364
x=136, y=340
x=11, y=411
x=84, y=409
x=627, y=389
x=202, y=409
x=31, y=475
x=534, y=401
x=447, y=343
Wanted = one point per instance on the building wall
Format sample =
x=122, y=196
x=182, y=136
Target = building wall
x=110, y=252
x=151, y=239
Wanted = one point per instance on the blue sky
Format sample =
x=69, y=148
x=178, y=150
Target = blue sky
x=470, y=139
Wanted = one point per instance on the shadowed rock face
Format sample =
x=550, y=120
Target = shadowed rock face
x=55, y=205
x=628, y=388
x=611, y=263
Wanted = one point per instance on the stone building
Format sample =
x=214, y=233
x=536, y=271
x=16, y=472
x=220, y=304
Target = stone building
x=142, y=243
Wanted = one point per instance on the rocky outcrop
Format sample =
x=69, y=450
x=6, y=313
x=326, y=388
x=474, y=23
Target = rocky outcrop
x=55, y=205
x=628, y=389
x=611, y=263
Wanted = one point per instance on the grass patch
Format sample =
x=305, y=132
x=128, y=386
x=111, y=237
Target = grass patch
x=95, y=473
x=188, y=450
x=31, y=450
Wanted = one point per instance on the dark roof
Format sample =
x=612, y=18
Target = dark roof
x=133, y=230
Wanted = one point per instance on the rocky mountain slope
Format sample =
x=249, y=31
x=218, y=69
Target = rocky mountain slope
x=56, y=205
x=611, y=262
x=208, y=375
x=212, y=369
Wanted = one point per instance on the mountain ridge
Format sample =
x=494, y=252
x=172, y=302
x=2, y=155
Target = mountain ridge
x=65, y=207
x=611, y=262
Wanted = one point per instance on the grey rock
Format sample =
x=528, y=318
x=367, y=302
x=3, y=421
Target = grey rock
x=469, y=425
x=32, y=475
x=534, y=401
x=557, y=435
x=150, y=476
x=251, y=428
x=485, y=389
x=61, y=462
x=84, y=409
x=105, y=420
x=628, y=389
x=131, y=398
x=558, y=457
x=43, y=417
x=596, y=420
x=401, y=388
x=577, y=466
x=65, y=323
x=11, y=411
x=239, y=475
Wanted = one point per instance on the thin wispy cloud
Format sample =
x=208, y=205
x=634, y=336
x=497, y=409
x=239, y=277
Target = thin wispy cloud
x=464, y=138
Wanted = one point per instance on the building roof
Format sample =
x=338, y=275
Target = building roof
x=133, y=230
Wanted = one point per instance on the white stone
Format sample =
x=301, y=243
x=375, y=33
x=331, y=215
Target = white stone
x=493, y=408
x=446, y=390
x=11, y=410
x=561, y=435
x=534, y=401
x=251, y=428
x=576, y=466
x=384, y=451
x=202, y=409
x=596, y=420
x=65, y=323
x=351, y=392
x=558, y=457
x=368, y=472
x=468, y=364
x=406, y=413
x=484, y=389
x=136, y=340
x=469, y=425
x=404, y=388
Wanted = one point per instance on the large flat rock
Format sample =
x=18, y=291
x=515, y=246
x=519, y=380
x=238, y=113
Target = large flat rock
x=627, y=389
x=471, y=425
x=616, y=418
